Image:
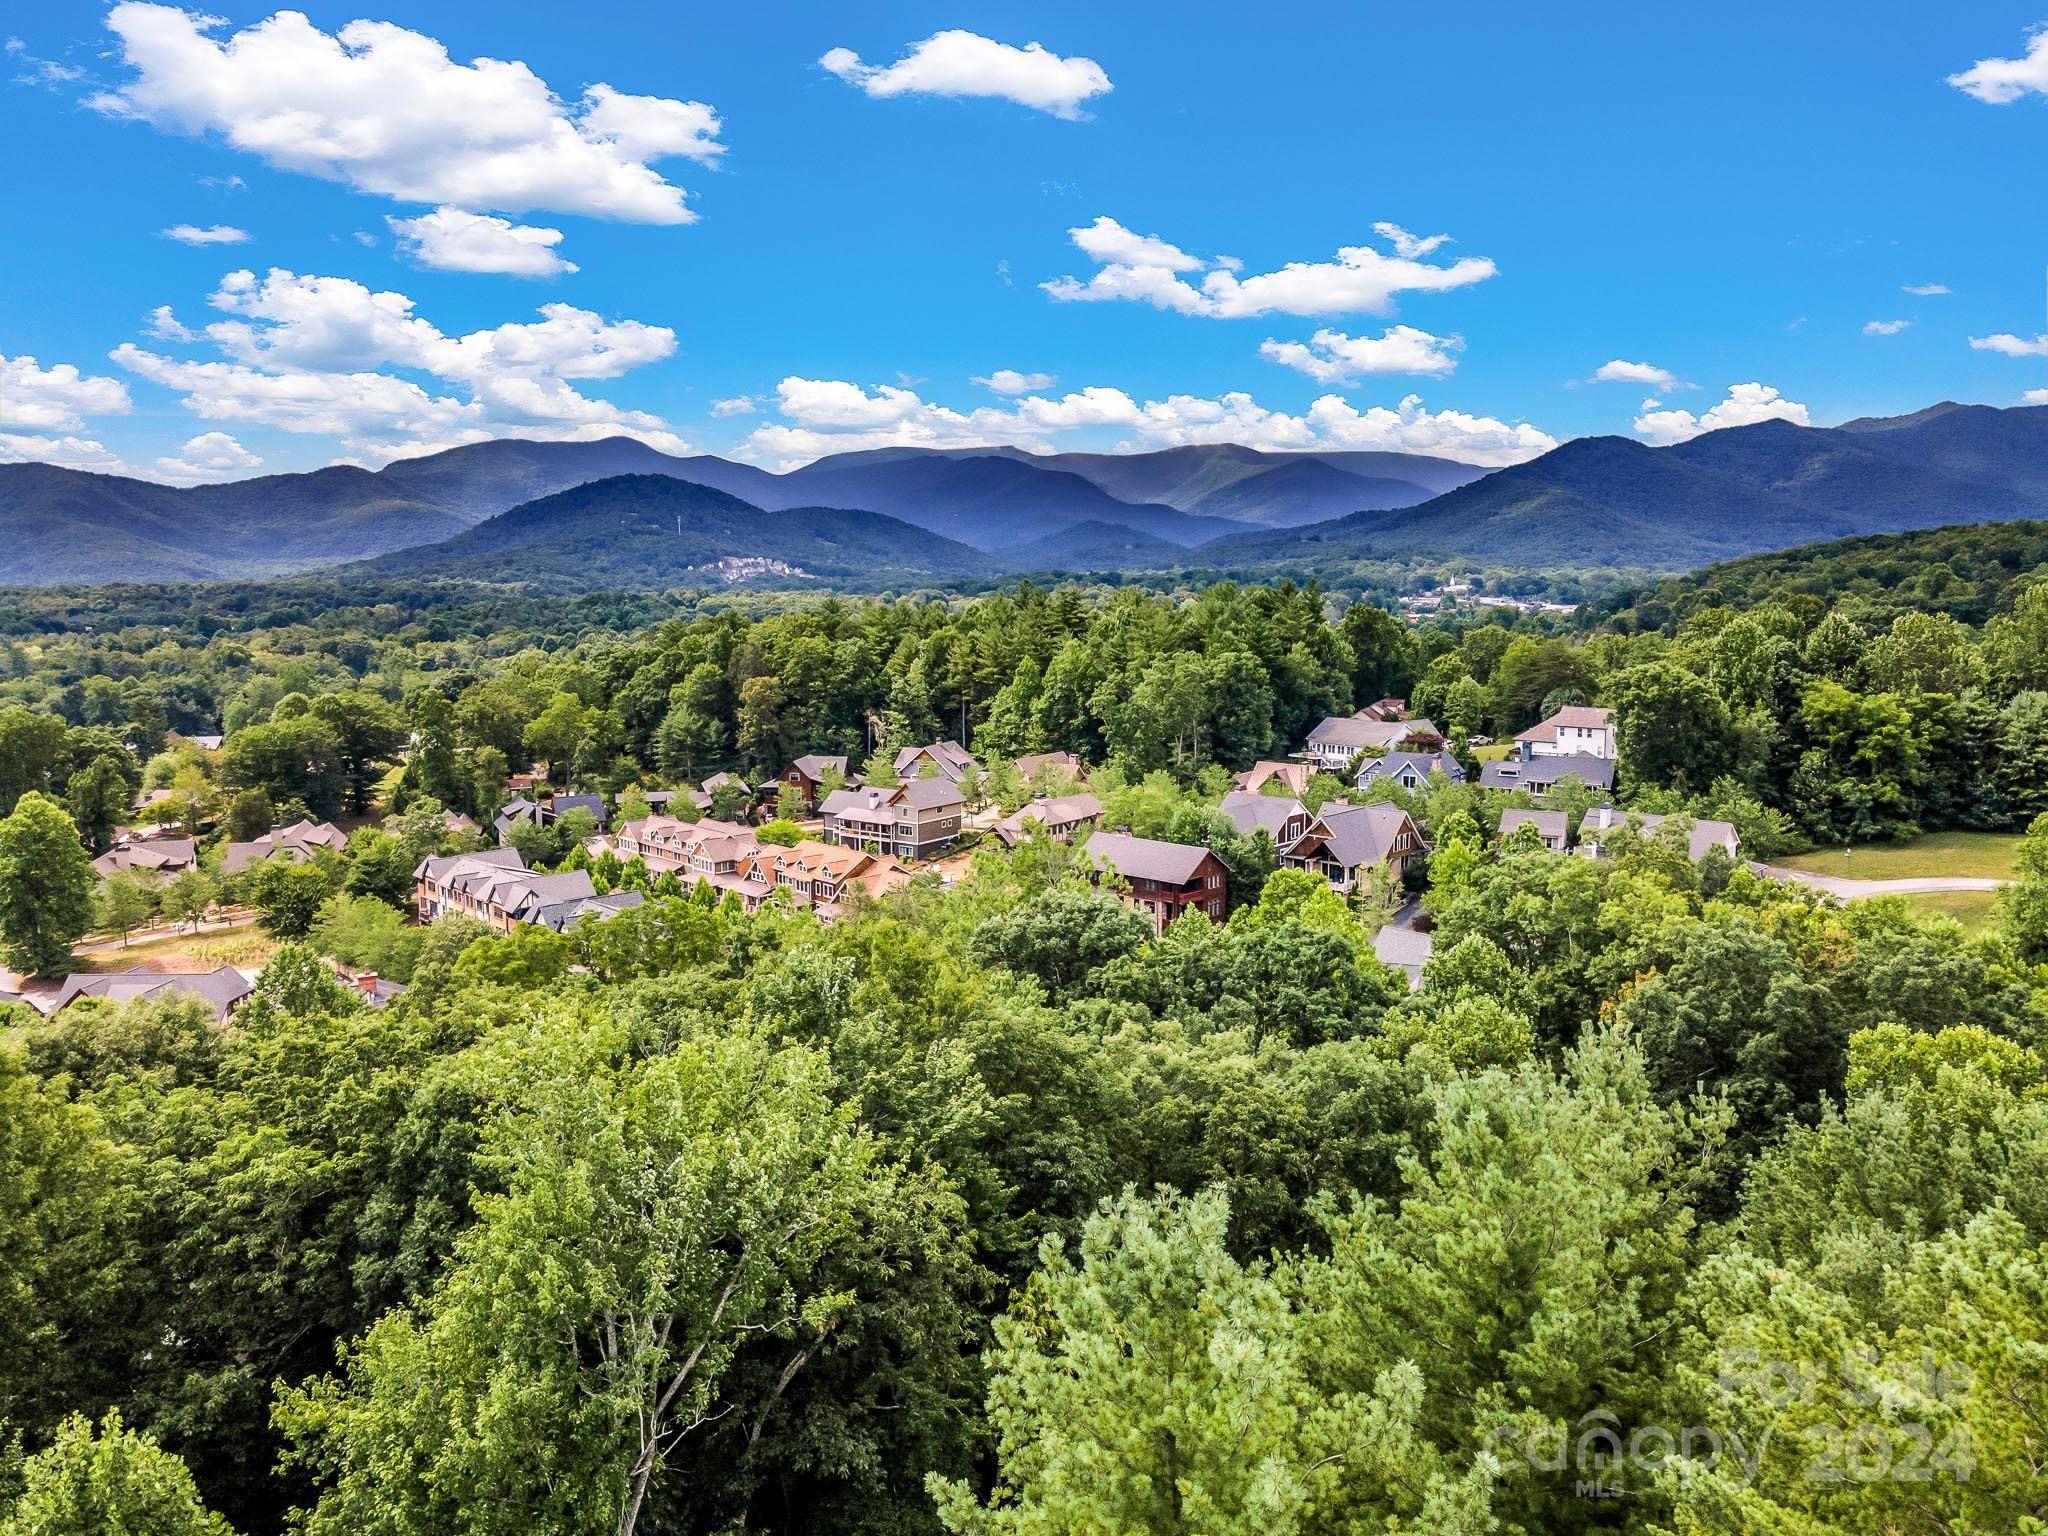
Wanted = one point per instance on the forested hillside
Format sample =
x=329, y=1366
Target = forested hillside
x=985, y=1207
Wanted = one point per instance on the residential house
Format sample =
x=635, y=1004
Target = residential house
x=706, y=850
x=1577, y=728
x=1539, y=775
x=1164, y=879
x=1032, y=764
x=295, y=844
x=559, y=806
x=1060, y=815
x=807, y=775
x=161, y=858
x=1283, y=818
x=1410, y=770
x=662, y=799
x=1293, y=777
x=1553, y=827
x=916, y=819
x=1350, y=844
x=815, y=875
x=1385, y=709
x=515, y=811
x=1340, y=738
x=562, y=916
x=1705, y=833
x=719, y=781
x=948, y=758
x=219, y=989
x=495, y=887
x=1406, y=950
x=456, y=824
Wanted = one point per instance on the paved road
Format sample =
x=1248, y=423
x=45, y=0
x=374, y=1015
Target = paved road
x=1851, y=890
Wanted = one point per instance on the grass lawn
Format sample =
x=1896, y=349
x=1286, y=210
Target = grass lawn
x=1975, y=910
x=1500, y=751
x=183, y=952
x=1960, y=854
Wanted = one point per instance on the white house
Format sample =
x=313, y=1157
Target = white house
x=1577, y=728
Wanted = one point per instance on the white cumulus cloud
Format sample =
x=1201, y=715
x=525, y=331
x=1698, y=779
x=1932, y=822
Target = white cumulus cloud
x=328, y=356
x=1621, y=371
x=1746, y=404
x=1331, y=357
x=43, y=411
x=821, y=416
x=2005, y=344
x=1361, y=280
x=164, y=325
x=2003, y=80
x=69, y=452
x=1884, y=327
x=1924, y=290
x=450, y=240
x=384, y=109
x=959, y=63
x=212, y=234
x=54, y=399
x=738, y=405
x=1008, y=381
x=2035, y=397
x=209, y=456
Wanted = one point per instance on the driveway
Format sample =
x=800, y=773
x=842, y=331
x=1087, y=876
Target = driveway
x=1851, y=890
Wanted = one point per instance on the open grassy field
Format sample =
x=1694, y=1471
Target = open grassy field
x=1975, y=910
x=1987, y=855
x=182, y=952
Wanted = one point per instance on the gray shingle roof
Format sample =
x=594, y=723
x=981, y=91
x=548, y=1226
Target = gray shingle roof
x=1540, y=772
x=1551, y=826
x=1144, y=858
x=220, y=989
x=1424, y=764
x=1248, y=811
x=1360, y=836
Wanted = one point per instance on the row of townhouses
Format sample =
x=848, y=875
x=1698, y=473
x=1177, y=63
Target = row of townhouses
x=728, y=857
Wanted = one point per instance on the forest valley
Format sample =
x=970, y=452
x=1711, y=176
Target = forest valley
x=1676, y=1199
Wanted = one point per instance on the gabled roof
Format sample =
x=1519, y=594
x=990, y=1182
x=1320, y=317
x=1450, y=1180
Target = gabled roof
x=951, y=758
x=442, y=868
x=220, y=989
x=564, y=915
x=1424, y=763
x=1294, y=775
x=1581, y=717
x=1404, y=949
x=930, y=794
x=1144, y=858
x=1048, y=811
x=561, y=805
x=1552, y=826
x=920, y=794
x=1031, y=762
x=815, y=765
x=1510, y=773
x=1356, y=733
x=1248, y=812
x=1706, y=832
x=718, y=781
x=154, y=857
x=1355, y=836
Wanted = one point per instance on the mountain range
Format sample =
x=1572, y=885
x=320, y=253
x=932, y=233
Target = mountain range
x=597, y=514
x=62, y=525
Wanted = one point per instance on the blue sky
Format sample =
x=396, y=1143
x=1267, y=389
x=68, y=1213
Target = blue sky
x=776, y=258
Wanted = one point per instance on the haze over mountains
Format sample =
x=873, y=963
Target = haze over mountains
x=497, y=510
